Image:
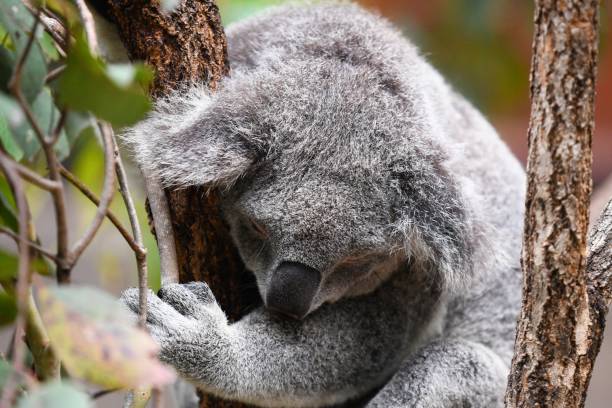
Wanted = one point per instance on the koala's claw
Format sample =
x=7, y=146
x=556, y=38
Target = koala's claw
x=177, y=306
x=201, y=291
x=159, y=313
x=185, y=300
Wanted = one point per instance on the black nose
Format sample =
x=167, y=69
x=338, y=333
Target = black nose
x=292, y=288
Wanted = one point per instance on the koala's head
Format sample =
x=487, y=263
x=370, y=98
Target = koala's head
x=331, y=178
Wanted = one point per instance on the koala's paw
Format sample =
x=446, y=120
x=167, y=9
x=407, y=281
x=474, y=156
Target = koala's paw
x=181, y=318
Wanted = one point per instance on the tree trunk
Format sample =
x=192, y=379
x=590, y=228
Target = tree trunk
x=184, y=46
x=562, y=317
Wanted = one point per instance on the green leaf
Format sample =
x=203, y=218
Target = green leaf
x=18, y=22
x=7, y=141
x=8, y=308
x=9, y=264
x=80, y=124
x=5, y=370
x=7, y=60
x=10, y=116
x=92, y=333
x=8, y=213
x=56, y=395
x=8, y=217
x=113, y=94
x=48, y=46
x=47, y=116
x=11, y=111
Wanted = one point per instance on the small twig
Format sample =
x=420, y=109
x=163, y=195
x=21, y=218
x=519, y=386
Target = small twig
x=106, y=197
x=57, y=131
x=163, y=229
x=22, y=278
x=54, y=73
x=30, y=243
x=141, y=256
x=46, y=363
x=53, y=26
x=89, y=24
x=72, y=179
x=36, y=179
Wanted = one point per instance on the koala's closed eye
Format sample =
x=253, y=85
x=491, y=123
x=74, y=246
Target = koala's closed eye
x=258, y=228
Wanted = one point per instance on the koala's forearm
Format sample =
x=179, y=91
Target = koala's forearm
x=340, y=352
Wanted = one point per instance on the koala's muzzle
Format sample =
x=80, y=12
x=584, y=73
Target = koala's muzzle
x=292, y=288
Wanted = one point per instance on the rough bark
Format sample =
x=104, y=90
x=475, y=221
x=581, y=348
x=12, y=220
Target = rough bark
x=562, y=316
x=184, y=46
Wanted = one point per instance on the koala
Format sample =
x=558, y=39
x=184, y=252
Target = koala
x=379, y=212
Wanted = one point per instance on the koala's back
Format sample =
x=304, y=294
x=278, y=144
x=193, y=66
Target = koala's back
x=490, y=178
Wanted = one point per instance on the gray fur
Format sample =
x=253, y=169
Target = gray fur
x=358, y=160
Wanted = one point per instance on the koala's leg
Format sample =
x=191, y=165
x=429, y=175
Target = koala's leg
x=447, y=373
x=340, y=352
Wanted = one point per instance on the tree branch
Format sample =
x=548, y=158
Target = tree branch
x=141, y=253
x=31, y=244
x=46, y=363
x=158, y=203
x=561, y=322
x=599, y=261
x=21, y=292
x=88, y=22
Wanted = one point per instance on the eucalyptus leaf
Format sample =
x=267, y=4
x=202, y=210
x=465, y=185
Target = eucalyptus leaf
x=7, y=60
x=9, y=263
x=6, y=370
x=7, y=140
x=56, y=395
x=8, y=217
x=18, y=22
x=48, y=46
x=8, y=308
x=94, y=336
x=11, y=111
x=47, y=115
x=79, y=124
x=87, y=85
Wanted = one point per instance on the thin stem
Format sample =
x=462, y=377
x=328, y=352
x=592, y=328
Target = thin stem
x=22, y=285
x=78, y=184
x=52, y=26
x=30, y=243
x=57, y=132
x=163, y=229
x=46, y=363
x=141, y=256
x=106, y=197
x=54, y=73
x=36, y=179
x=88, y=22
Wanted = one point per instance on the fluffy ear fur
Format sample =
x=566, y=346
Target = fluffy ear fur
x=434, y=222
x=184, y=141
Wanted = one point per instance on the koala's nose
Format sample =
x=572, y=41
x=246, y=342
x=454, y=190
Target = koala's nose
x=292, y=289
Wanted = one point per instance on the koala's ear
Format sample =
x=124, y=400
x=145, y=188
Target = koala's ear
x=435, y=224
x=185, y=141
